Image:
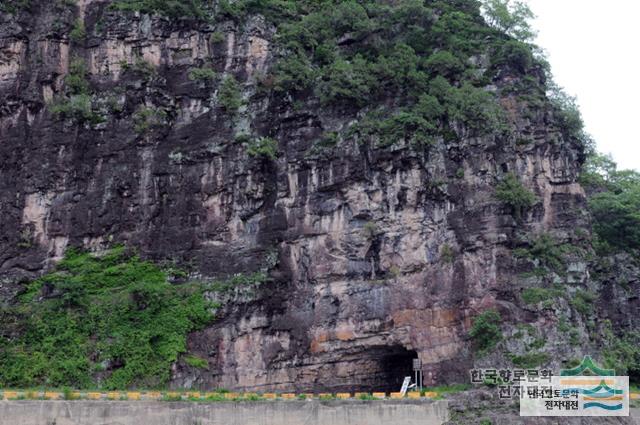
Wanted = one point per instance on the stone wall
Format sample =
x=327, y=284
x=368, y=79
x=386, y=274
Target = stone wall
x=246, y=413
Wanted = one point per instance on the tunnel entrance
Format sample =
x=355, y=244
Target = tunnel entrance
x=395, y=365
x=381, y=368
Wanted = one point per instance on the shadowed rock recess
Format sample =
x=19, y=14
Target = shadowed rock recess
x=352, y=152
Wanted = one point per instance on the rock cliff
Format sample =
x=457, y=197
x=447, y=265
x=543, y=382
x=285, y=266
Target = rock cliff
x=178, y=136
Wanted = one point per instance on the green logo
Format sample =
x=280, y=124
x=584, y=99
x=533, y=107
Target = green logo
x=587, y=365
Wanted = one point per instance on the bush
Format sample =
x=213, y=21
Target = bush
x=169, y=8
x=515, y=54
x=529, y=361
x=513, y=194
x=202, y=74
x=538, y=295
x=229, y=96
x=77, y=107
x=445, y=63
x=140, y=66
x=397, y=68
x=407, y=126
x=476, y=109
x=115, y=310
x=485, y=331
x=263, y=147
x=76, y=80
x=350, y=82
x=78, y=104
x=293, y=73
x=548, y=252
x=568, y=116
x=583, y=302
x=622, y=353
x=216, y=37
x=418, y=124
x=78, y=33
x=147, y=118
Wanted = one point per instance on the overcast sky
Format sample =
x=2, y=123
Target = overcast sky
x=594, y=50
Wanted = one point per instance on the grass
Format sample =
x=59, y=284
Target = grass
x=538, y=295
x=529, y=361
x=202, y=74
x=197, y=362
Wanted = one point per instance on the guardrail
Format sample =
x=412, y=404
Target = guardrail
x=198, y=396
x=202, y=396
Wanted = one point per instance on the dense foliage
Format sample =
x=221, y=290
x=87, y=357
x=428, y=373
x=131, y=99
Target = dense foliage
x=509, y=16
x=229, y=95
x=514, y=194
x=114, y=317
x=614, y=204
x=485, y=331
x=357, y=54
x=170, y=8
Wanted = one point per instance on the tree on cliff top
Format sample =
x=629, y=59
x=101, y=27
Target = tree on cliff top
x=510, y=17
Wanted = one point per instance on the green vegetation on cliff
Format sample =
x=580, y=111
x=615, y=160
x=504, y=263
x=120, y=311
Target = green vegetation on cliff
x=111, y=321
x=485, y=331
x=614, y=202
x=514, y=194
x=435, y=59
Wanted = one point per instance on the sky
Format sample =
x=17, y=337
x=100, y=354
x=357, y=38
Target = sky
x=593, y=48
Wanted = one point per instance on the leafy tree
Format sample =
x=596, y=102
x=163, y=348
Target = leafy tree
x=229, y=95
x=398, y=66
x=616, y=212
x=475, y=108
x=485, y=331
x=568, y=116
x=444, y=63
x=350, y=17
x=511, y=17
x=347, y=81
x=293, y=73
x=516, y=54
x=597, y=171
x=513, y=193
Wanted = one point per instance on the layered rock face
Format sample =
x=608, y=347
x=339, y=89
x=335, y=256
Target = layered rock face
x=376, y=255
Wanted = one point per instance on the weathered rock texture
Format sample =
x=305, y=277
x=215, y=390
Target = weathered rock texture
x=361, y=284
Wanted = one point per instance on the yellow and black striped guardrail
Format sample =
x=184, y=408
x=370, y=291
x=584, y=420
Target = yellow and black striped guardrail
x=210, y=396
x=200, y=396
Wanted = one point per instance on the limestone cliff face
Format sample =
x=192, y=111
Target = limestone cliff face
x=375, y=254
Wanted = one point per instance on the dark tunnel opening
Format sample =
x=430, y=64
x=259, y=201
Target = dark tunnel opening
x=381, y=368
x=395, y=365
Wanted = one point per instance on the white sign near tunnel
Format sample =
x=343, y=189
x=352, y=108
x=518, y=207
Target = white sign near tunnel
x=405, y=385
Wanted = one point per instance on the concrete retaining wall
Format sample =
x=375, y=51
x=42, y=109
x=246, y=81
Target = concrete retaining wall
x=334, y=412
